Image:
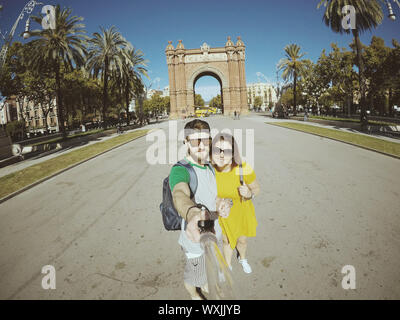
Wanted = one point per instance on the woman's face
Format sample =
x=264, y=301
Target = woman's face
x=222, y=154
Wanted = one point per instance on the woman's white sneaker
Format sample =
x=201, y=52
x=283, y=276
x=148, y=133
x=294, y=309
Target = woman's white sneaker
x=245, y=265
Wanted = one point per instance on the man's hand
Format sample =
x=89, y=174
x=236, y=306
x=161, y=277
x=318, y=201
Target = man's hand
x=192, y=228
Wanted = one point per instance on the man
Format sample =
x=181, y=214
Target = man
x=198, y=142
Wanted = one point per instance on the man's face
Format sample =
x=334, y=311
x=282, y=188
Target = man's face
x=199, y=146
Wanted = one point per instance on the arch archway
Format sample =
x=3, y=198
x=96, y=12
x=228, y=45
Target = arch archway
x=208, y=72
x=226, y=64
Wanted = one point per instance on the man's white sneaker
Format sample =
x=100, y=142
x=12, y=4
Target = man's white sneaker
x=245, y=265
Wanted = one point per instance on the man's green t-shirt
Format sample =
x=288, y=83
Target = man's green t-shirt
x=180, y=174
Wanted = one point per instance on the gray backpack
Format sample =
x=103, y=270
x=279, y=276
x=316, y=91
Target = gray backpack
x=171, y=218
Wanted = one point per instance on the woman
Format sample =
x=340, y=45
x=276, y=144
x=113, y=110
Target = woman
x=236, y=181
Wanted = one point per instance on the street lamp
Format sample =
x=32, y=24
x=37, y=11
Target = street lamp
x=392, y=15
x=26, y=34
x=28, y=8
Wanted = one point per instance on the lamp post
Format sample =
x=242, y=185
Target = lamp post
x=28, y=8
x=392, y=16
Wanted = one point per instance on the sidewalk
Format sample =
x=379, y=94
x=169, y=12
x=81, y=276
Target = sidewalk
x=55, y=153
x=267, y=119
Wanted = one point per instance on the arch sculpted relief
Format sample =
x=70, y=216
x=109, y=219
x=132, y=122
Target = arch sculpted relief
x=226, y=64
x=206, y=57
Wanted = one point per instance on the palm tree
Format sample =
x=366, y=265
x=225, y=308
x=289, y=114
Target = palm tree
x=293, y=67
x=106, y=57
x=369, y=14
x=134, y=69
x=61, y=47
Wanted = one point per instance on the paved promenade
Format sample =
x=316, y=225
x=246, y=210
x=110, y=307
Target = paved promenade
x=323, y=205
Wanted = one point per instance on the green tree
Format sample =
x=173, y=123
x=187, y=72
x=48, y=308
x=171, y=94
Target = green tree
x=16, y=130
x=377, y=74
x=392, y=67
x=107, y=55
x=134, y=67
x=156, y=106
x=369, y=14
x=258, y=102
x=198, y=101
x=41, y=89
x=167, y=104
x=13, y=78
x=337, y=76
x=293, y=68
x=62, y=46
x=74, y=87
x=138, y=93
x=216, y=102
x=288, y=97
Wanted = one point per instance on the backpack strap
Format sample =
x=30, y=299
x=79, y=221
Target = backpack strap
x=193, y=182
x=210, y=166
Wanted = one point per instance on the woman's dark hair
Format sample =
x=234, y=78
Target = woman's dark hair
x=236, y=158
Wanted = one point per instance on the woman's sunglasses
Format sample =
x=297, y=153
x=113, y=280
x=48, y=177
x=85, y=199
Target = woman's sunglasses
x=218, y=151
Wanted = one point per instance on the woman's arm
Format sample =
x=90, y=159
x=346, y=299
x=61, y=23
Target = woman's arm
x=254, y=188
x=247, y=191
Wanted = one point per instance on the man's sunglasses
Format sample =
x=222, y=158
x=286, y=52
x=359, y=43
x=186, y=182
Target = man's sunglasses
x=218, y=151
x=196, y=142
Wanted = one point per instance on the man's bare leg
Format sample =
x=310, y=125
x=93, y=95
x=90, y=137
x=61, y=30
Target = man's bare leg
x=192, y=291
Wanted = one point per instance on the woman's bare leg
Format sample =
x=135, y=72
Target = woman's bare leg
x=241, y=246
x=228, y=251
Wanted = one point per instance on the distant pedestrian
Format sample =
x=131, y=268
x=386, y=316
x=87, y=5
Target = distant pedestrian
x=234, y=115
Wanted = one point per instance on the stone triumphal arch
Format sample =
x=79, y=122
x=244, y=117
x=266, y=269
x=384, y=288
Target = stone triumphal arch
x=226, y=64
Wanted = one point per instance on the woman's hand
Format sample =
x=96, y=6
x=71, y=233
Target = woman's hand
x=245, y=192
x=224, y=207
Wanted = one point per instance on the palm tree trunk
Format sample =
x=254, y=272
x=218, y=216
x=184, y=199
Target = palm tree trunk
x=349, y=106
x=390, y=102
x=127, y=104
x=295, y=93
x=361, y=77
x=46, y=113
x=60, y=109
x=105, y=86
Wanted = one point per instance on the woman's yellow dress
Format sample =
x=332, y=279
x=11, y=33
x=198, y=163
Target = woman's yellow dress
x=242, y=218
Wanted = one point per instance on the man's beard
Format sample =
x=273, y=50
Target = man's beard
x=198, y=159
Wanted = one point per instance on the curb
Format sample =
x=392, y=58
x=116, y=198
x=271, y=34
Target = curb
x=352, y=144
x=14, y=194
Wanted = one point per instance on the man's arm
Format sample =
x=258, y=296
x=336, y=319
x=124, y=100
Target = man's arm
x=182, y=201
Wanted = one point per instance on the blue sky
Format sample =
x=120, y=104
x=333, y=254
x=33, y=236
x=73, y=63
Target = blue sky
x=266, y=27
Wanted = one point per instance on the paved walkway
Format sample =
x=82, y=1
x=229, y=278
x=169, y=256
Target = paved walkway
x=54, y=153
x=268, y=119
x=323, y=205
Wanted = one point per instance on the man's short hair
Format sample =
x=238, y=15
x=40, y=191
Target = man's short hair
x=196, y=125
